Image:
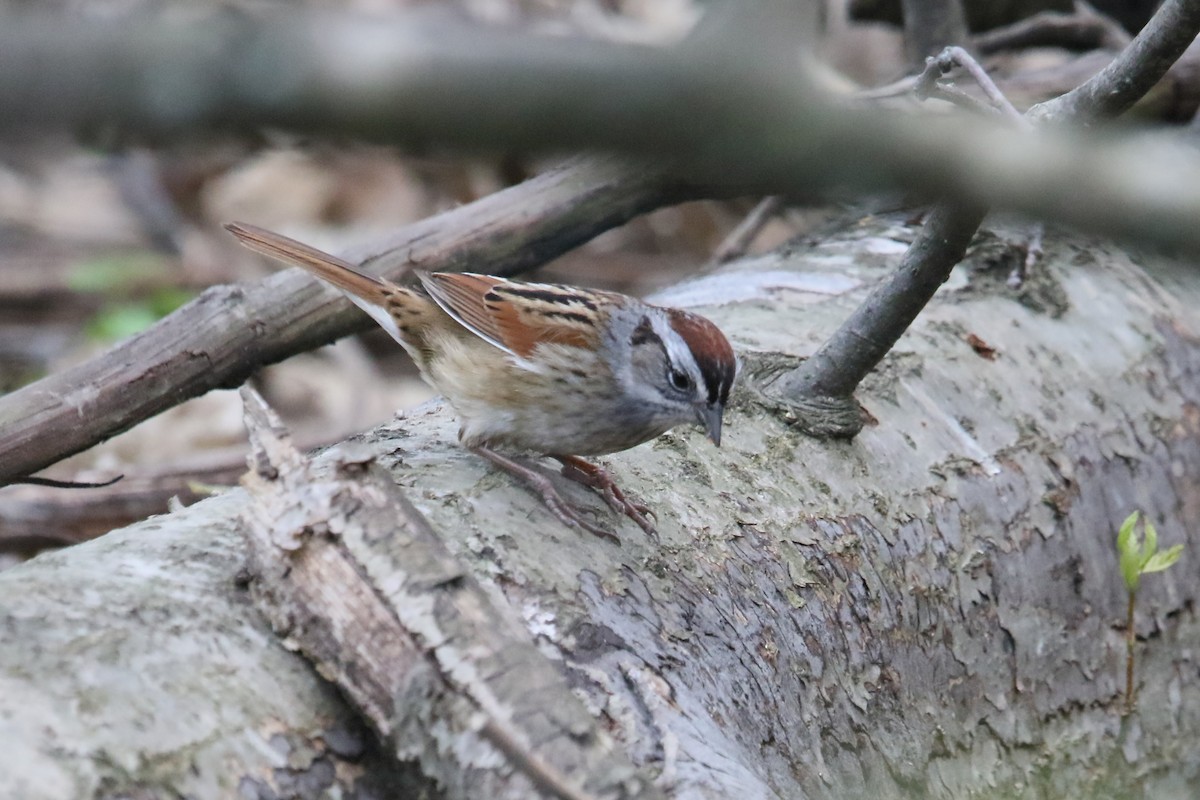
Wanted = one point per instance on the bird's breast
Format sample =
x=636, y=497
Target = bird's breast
x=562, y=400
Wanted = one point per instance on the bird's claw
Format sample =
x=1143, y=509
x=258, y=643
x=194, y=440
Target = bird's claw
x=560, y=508
x=589, y=474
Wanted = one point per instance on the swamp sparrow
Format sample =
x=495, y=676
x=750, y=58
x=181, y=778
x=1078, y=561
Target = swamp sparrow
x=543, y=369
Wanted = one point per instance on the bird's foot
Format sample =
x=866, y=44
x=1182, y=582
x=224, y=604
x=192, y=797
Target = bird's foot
x=587, y=473
x=540, y=484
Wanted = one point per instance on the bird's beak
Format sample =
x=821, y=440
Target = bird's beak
x=709, y=417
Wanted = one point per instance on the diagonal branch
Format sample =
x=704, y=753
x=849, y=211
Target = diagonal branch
x=1133, y=72
x=820, y=390
x=220, y=339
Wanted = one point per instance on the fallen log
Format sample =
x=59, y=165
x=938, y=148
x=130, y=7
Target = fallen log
x=929, y=610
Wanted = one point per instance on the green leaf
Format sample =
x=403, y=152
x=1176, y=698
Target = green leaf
x=167, y=299
x=1126, y=531
x=121, y=321
x=1131, y=570
x=1160, y=561
x=1130, y=551
x=116, y=273
x=1151, y=545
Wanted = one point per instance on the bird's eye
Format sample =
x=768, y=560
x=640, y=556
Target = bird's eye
x=680, y=380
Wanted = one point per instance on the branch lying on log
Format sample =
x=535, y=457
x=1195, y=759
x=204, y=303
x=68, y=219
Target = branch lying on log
x=222, y=337
x=353, y=576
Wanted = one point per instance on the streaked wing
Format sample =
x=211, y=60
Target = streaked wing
x=515, y=316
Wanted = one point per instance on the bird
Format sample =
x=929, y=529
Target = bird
x=542, y=369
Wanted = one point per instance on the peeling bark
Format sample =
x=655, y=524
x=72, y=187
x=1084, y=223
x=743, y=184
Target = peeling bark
x=933, y=609
x=353, y=576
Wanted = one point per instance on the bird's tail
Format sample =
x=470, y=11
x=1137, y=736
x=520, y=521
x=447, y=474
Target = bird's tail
x=339, y=272
x=378, y=297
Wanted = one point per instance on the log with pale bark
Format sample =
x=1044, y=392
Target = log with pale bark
x=932, y=609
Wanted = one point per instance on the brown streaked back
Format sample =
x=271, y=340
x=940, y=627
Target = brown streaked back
x=516, y=316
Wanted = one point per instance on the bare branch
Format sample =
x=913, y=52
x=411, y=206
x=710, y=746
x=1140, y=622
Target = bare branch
x=743, y=121
x=820, y=390
x=1084, y=28
x=953, y=57
x=222, y=337
x=1133, y=72
x=951, y=94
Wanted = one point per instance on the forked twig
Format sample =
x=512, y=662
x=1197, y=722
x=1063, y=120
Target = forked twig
x=828, y=379
x=945, y=61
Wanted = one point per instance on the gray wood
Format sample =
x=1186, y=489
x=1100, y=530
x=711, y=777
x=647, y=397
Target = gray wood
x=356, y=579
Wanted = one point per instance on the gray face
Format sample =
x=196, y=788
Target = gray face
x=670, y=384
x=674, y=388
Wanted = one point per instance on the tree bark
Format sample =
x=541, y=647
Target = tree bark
x=929, y=610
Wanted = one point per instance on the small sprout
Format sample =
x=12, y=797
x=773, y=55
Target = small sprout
x=1138, y=557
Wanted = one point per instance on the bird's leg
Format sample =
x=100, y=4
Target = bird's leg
x=540, y=484
x=587, y=473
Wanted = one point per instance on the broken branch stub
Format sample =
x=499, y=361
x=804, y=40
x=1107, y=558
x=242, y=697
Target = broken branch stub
x=353, y=577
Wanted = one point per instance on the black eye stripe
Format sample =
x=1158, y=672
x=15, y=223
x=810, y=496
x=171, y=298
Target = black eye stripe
x=718, y=380
x=644, y=334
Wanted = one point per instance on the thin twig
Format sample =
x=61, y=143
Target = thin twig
x=951, y=94
x=738, y=242
x=1130, y=644
x=898, y=88
x=1084, y=28
x=1033, y=254
x=30, y=480
x=953, y=57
